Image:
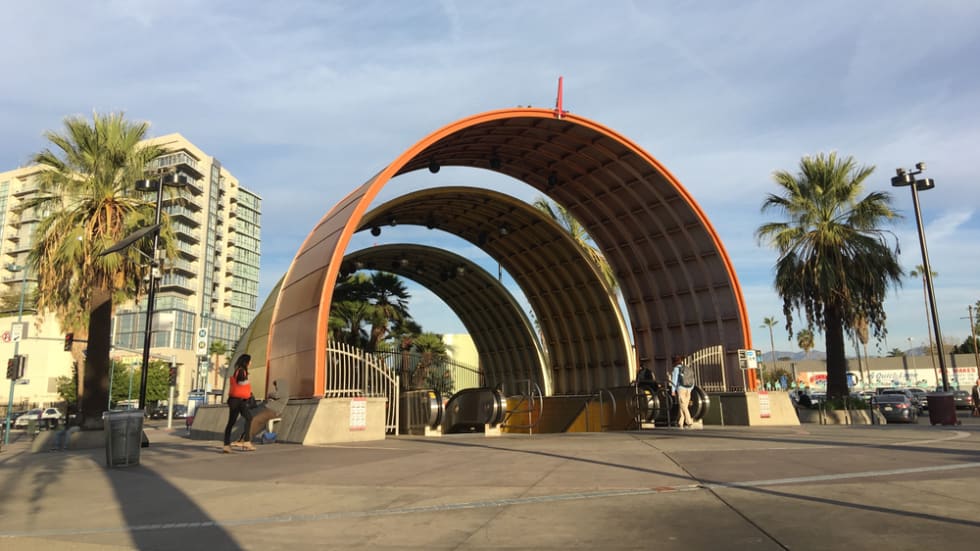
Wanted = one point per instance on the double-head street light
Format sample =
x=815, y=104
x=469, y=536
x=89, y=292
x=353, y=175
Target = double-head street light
x=908, y=178
x=173, y=179
x=20, y=319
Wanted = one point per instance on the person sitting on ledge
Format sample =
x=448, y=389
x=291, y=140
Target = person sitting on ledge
x=270, y=408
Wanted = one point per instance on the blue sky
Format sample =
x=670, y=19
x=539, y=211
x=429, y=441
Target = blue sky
x=304, y=101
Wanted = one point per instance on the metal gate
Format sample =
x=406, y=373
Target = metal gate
x=709, y=368
x=352, y=373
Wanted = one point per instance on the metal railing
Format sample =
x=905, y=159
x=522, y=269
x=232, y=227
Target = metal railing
x=423, y=371
x=532, y=391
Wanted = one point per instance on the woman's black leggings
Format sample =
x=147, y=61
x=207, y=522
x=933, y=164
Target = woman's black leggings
x=238, y=406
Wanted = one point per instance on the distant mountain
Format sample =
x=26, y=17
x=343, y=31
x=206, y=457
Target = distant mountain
x=794, y=356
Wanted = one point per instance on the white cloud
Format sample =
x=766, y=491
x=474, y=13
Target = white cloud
x=306, y=100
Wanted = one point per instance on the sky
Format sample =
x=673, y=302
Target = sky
x=303, y=101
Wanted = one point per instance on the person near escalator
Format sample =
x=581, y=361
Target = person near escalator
x=682, y=391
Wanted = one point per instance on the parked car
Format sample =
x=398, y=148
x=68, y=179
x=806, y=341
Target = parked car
x=962, y=399
x=922, y=396
x=897, y=408
x=48, y=416
x=160, y=412
x=904, y=392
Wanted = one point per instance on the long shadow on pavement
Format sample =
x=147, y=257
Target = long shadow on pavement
x=712, y=484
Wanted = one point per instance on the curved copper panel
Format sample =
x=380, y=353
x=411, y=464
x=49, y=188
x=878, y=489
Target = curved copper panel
x=678, y=282
x=586, y=339
x=502, y=333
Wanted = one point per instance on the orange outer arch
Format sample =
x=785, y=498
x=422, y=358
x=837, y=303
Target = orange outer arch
x=382, y=178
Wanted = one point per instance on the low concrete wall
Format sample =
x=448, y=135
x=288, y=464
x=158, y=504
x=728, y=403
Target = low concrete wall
x=744, y=408
x=311, y=421
x=840, y=417
x=331, y=422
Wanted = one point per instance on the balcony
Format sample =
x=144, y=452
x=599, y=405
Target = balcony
x=187, y=251
x=29, y=188
x=181, y=161
x=183, y=266
x=177, y=284
x=181, y=212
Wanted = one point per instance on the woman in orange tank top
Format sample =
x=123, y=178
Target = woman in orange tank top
x=239, y=391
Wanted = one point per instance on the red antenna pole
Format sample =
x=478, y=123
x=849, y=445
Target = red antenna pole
x=558, y=108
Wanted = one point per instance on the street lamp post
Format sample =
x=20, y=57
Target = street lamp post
x=907, y=178
x=20, y=318
x=176, y=180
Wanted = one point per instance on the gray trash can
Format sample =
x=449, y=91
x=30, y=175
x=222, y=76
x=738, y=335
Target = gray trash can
x=123, y=437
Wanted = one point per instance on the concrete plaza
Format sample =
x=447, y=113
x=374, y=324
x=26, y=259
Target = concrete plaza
x=807, y=487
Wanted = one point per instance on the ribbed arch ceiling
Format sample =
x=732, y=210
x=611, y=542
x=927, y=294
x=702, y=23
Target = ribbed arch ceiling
x=678, y=284
x=586, y=338
x=503, y=335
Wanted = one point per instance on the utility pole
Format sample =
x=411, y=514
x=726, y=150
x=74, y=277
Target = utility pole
x=973, y=331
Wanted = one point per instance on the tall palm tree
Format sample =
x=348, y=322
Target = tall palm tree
x=804, y=339
x=835, y=264
x=581, y=237
x=217, y=349
x=389, y=296
x=86, y=202
x=920, y=272
x=771, y=322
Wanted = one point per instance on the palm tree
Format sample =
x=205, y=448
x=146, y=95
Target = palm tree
x=804, y=339
x=389, y=297
x=920, y=272
x=834, y=263
x=565, y=219
x=86, y=203
x=771, y=322
x=433, y=352
x=861, y=334
x=217, y=349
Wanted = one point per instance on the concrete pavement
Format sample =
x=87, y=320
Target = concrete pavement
x=808, y=487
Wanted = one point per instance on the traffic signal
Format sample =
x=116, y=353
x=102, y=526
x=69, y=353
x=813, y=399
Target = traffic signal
x=69, y=340
x=173, y=375
x=15, y=367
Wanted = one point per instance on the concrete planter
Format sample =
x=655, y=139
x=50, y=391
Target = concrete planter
x=837, y=417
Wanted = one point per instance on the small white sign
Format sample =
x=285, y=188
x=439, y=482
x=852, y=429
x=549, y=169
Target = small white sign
x=18, y=331
x=764, y=411
x=358, y=414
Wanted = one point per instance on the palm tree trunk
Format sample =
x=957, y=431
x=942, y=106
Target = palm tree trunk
x=836, y=355
x=94, y=397
x=925, y=300
x=772, y=348
x=867, y=363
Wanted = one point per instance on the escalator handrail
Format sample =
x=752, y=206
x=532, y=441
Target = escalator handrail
x=612, y=400
x=529, y=398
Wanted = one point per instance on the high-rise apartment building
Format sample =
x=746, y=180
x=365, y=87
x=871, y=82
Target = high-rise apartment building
x=207, y=294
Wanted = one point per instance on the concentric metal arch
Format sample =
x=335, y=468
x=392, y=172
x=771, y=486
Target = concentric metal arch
x=586, y=338
x=504, y=336
x=679, y=285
